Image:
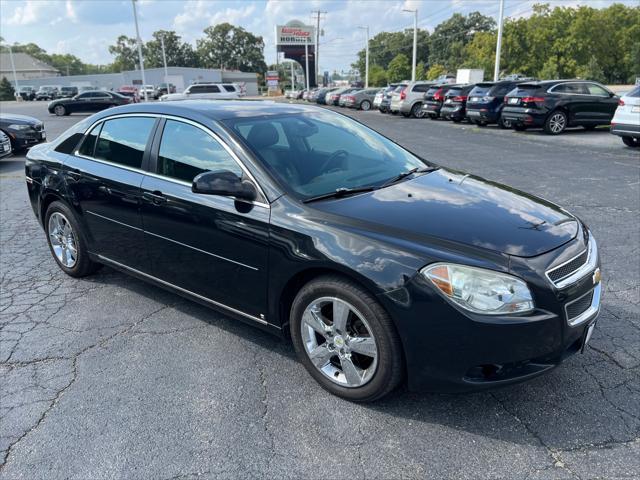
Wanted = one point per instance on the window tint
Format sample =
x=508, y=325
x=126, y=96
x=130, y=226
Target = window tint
x=501, y=90
x=420, y=88
x=123, y=140
x=480, y=90
x=597, y=90
x=85, y=95
x=186, y=151
x=101, y=95
x=229, y=88
x=570, y=89
x=68, y=141
x=89, y=143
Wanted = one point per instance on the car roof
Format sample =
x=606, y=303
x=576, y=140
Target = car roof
x=216, y=109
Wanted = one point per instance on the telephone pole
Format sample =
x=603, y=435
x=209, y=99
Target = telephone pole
x=318, y=13
x=139, y=42
x=496, y=72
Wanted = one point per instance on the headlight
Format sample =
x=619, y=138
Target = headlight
x=479, y=290
x=19, y=127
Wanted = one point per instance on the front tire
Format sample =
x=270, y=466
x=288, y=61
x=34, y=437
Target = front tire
x=346, y=340
x=631, y=142
x=59, y=110
x=67, y=241
x=555, y=123
x=365, y=105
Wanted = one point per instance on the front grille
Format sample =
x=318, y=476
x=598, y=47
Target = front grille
x=563, y=271
x=577, y=307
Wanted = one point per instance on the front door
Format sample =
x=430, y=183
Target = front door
x=213, y=246
x=105, y=178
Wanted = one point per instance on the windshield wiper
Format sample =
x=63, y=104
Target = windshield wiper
x=339, y=193
x=402, y=175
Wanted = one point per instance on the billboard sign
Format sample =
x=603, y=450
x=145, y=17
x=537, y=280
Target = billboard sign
x=295, y=35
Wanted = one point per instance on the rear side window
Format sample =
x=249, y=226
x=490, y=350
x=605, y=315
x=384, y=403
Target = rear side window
x=89, y=143
x=229, y=88
x=571, y=89
x=123, y=140
x=70, y=139
x=420, y=88
x=597, y=90
x=187, y=151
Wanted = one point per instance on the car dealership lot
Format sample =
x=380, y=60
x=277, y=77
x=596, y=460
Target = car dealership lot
x=111, y=377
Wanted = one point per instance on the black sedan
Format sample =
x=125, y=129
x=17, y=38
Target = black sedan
x=378, y=264
x=91, y=101
x=23, y=131
x=555, y=105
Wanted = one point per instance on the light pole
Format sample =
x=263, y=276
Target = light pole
x=415, y=41
x=306, y=61
x=496, y=72
x=366, y=59
x=13, y=68
x=139, y=41
x=164, y=59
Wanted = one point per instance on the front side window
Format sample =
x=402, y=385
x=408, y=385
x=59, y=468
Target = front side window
x=123, y=140
x=323, y=151
x=187, y=151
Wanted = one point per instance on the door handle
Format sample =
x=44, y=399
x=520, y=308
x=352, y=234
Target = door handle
x=156, y=197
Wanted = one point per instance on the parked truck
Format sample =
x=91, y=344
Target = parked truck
x=469, y=75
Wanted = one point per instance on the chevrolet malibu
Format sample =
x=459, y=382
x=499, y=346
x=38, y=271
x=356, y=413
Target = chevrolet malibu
x=381, y=266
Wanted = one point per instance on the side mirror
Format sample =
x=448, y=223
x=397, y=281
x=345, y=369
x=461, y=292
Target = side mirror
x=224, y=183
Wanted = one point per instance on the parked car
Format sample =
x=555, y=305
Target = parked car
x=434, y=99
x=313, y=95
x=334, y=97
x=130, y=91
x=626, y=121
x=5, y=145
x=378, y=265
x=385, y=101
x=557, y=104
x=47, y=92
x=27, y=92
x=92, y=101
x=165, y=89
x=408, y=101
x=321, y=95
x=486, y=101
x=455, y=103
x=23, y=131
x=68, y=92
x=361, y=99
x=205, y=91
x=150, y=90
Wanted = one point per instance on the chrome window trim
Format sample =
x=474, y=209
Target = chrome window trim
x=590, y=312
x=171, y=240
x=587, y=268
x=215, y=136
x=551, y=90
x=184, y=290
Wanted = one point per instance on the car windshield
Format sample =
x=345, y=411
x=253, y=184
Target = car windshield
x=481, y=89
x=318, y=153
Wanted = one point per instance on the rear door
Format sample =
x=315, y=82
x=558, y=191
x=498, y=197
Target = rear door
x=213, y=246
x=104, y=175
x=603, y=103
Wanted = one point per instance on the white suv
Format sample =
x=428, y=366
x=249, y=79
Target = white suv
x=626, y=121
x=210, y=91
x=409, y=100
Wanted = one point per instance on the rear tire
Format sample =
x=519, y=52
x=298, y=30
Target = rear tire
x=416, y=110
x=555, y=123
x=332, y=343
x=67, y=242
x=504, y=124
x=631, y=142
x=365, y=105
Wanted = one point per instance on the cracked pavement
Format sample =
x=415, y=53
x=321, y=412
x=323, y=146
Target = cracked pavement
x=109, y=377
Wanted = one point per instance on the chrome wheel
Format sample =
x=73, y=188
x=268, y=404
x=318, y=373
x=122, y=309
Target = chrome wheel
x=339, y=342
x=62, y=239
x=557, y=122
x=365, y=105
x=59, y=110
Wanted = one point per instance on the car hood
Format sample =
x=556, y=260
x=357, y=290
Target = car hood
x=17, y=118
x=461, y=208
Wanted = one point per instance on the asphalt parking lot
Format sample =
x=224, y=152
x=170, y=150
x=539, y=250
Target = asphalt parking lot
x=109, y=377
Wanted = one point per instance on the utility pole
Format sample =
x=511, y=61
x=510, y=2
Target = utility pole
x=496, y=72
x=293, y=84
x=366, y=59
x=306, y=61
x=13, y=68
x=164, y=59
x=318, y=13
x=135, y=18
x=415, y=41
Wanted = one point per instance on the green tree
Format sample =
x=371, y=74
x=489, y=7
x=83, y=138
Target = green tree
x=6, y=90
x=435, y=71
x=125, y=51
x=231, y=47
x=377, y=76
x=399, y=68
x=178, y=53
x=481, y=51
x=386, y=45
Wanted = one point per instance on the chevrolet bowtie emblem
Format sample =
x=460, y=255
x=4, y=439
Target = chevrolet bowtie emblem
x=596, y=276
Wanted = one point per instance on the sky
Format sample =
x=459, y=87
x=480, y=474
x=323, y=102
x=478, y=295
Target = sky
x=86, y=28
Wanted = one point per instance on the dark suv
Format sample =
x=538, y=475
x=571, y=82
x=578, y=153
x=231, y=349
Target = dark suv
x=486, y=100
x=455, y=103
x=557, y=104
x=68, y=92
x=434, y=98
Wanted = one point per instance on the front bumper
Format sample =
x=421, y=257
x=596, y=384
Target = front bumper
x=26, y=138
x=625, y=130
x=449, y=349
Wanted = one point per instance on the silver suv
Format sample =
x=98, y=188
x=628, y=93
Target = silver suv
x=408, y=101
